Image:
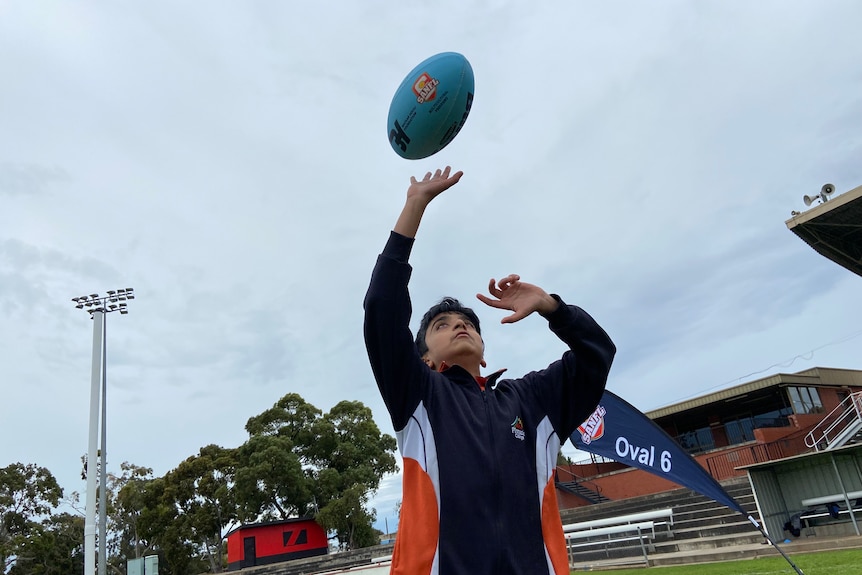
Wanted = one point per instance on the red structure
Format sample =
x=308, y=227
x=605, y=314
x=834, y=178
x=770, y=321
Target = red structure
x=274, y=542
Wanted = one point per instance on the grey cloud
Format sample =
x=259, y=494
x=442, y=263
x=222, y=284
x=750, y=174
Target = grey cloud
x=29, y=179
x=744, y=290
x=38, y=278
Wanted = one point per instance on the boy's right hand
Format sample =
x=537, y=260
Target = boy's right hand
x=432, y=186
x=419, y=195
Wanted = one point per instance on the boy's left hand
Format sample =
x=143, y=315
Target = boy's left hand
x=517, y=296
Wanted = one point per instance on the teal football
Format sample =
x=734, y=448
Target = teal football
x=431, y=105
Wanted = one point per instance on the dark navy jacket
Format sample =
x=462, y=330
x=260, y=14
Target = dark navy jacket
x=478, y=485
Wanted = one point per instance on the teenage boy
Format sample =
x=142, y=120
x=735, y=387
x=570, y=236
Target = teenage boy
x=479, y=452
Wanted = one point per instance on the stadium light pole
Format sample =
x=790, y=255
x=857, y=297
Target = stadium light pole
x=98, y=307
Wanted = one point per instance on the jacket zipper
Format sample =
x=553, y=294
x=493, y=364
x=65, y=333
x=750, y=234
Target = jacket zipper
x=497, y=489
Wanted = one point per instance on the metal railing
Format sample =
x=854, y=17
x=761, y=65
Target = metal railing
x=574, y=478
x=593, y=459
x=845, y=415
x=723, y=465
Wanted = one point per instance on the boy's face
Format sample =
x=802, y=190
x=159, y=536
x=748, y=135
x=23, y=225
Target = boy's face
x=452, y=338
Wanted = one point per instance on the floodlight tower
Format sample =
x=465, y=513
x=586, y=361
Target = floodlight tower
x=98, y=307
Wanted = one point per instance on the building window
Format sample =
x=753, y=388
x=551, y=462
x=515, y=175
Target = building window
x=697, y=441
x=739, y=431
x=805, y=400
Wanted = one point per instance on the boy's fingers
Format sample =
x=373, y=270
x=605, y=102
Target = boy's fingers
x=494, y=290
x=509, y=280
x=491, y=302
x=517, y=316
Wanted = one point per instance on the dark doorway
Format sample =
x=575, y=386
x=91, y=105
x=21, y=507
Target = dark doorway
x=249, y=553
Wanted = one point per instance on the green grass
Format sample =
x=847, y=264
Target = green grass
x=845, y=562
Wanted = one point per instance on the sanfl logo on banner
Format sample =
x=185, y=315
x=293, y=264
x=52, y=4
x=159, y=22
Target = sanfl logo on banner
x=594, y=427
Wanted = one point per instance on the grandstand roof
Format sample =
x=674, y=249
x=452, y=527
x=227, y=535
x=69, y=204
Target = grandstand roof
x=834, y=229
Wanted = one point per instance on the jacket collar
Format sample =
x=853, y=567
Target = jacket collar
x=457, y=373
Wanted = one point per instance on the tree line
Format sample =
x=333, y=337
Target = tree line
x=296, y=462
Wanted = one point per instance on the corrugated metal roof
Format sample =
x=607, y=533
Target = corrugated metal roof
x=771, y=505
x=834, y=229
x=817, y=376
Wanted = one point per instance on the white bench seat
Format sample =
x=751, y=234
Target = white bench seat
x=815, y=505
x=627, y=528
x=826, y=499
x=658, y=517
x=632, y=527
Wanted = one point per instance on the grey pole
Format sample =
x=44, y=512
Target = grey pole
x=90, y=509
x=844, y=492
x=103, y=450
x=97, y=307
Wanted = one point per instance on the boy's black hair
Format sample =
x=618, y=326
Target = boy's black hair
x=446, y=305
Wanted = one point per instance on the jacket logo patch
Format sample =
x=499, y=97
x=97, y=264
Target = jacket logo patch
x=518, y=428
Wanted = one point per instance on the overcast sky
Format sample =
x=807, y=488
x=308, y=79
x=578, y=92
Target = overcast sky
x=230, y=162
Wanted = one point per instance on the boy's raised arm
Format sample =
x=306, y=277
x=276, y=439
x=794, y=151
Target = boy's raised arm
x=419, y=195
x=397, y=367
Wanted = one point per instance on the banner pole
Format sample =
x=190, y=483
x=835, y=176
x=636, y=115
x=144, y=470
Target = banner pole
x=773, y=543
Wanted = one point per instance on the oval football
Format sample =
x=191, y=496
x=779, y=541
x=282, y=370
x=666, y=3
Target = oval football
x=431, y=105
